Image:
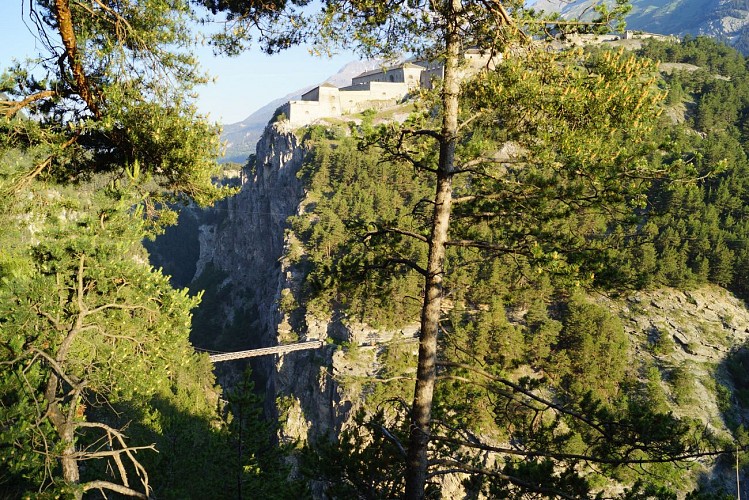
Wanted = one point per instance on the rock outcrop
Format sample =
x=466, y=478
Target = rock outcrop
x=248, y=244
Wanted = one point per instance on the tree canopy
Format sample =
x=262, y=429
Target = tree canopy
x=99, y=133
x=511, y=188
x=111, y=93
x=578, y=134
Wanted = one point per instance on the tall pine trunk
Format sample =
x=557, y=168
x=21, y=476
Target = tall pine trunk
x=421, y=412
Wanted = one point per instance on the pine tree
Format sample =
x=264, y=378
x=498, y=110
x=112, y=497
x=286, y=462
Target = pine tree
x=95, y=361
x=583, y=127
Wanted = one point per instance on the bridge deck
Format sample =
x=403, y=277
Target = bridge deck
x=279, y=349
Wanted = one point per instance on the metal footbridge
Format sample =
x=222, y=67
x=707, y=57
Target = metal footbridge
x=266, y=351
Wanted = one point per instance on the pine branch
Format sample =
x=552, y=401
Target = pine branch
x=13, y=107
x=394, y=230
x=581, y=457
x=529, y=394
x=64, y=18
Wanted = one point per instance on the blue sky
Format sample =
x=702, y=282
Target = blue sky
x=243, y=84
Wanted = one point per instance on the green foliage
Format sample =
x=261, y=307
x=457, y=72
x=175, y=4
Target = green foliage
x=695, y=231
x=660, y=342
x=592, y=352
x=79, y=304
x=682, y=384
x=118, y=101
x=738, y=370
x=95, y=363
x=653, y=391
x=258, y=465
x=366, y=461
x=354, y=191
x=595, y=188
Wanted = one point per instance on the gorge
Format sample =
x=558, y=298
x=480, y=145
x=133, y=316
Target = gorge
x=686, y=344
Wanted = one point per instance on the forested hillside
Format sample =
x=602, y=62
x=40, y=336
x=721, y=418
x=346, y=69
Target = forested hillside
x=702, y=226
x=691, y=230
x=519, y=312
x=516, y=277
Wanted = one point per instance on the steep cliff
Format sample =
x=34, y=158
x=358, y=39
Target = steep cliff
x=241, y=255
x=250, y=277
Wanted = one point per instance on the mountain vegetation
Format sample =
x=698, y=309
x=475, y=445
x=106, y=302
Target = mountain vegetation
x=518, y=324
x=581, y=150
x=100, y=391
x=487, y=217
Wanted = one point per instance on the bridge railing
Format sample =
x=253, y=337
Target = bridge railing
x=265, y=351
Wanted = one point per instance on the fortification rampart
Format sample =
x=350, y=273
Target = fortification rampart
x=373, y=89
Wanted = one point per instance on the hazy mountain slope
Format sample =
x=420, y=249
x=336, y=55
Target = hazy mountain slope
x=726, y=20
x=676, y=16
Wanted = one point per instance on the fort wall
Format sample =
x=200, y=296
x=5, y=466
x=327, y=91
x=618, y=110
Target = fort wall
x=373, y=89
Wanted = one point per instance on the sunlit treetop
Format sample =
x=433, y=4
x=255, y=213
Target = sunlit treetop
x=111, y=91
x=391, y=28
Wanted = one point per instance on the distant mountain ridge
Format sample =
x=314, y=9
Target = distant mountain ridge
x=241, y=137
x=725, y=20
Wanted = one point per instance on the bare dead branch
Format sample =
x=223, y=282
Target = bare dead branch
x=26, y=179
x=124, y=449
x=117, y=488
x=469, y=120
x=424, y=132
x=394, y=260
x=505, y=394
x=92, y=455
x=15, y=360
x=390, y=437
x=52, y=320
x=123, y=307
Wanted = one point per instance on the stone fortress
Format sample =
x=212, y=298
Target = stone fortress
x=377, y=89
x=385, y=87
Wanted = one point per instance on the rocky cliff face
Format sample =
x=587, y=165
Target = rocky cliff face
x=725, y=20
x=251, y=248
x=246, y=247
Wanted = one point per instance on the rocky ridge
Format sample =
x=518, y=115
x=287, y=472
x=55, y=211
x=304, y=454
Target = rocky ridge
x=725, y=20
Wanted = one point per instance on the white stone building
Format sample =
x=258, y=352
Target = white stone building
x=407, y=73
x=375, y=89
